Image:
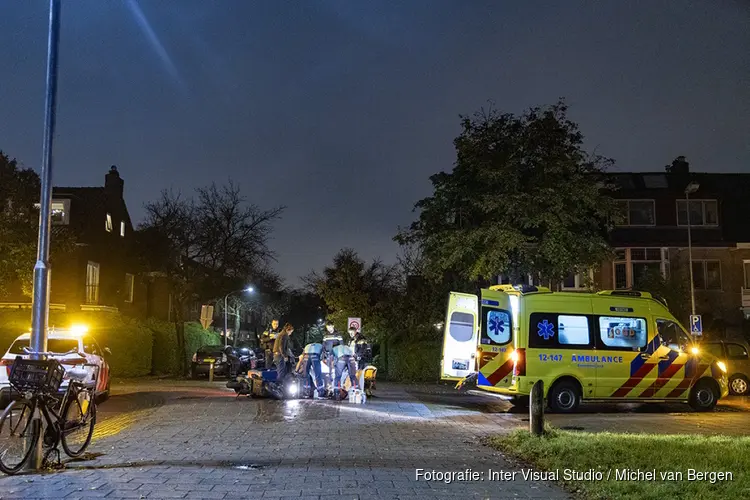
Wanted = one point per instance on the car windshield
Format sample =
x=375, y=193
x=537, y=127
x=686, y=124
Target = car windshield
x=53, y=345
x=210, y=349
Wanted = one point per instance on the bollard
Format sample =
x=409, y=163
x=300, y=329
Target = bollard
x=211, y=372
x=536, y=409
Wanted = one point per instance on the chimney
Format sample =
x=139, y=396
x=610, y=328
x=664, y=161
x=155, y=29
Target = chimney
x=679, y=166
x=113, y=183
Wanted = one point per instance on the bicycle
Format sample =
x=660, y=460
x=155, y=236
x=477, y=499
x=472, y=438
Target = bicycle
x=38, y=382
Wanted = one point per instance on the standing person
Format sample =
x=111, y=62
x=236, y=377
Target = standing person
x=282, y=351
x=267, y=341
x=344, y=360
x=311, y=358
x=362, y=349
x=331, y=338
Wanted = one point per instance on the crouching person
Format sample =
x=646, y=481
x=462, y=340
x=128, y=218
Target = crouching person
x=310, y=359
x=345, y=359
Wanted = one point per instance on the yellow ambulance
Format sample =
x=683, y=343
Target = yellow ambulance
x=609, y=346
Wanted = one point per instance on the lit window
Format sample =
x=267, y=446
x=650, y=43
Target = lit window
x=643, y=262
x=122, y=228
x=129, y=286
x=108, y=226
x=59, y=211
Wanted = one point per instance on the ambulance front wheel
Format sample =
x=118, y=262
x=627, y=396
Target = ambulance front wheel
x=704, y=396
x=564, y=396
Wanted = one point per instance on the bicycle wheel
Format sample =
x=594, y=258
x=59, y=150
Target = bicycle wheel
x=78, y=421
x=17, y=436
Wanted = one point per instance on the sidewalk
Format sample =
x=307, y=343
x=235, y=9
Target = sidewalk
x=209, y=445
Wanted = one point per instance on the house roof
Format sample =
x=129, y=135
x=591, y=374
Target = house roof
x=729, y=189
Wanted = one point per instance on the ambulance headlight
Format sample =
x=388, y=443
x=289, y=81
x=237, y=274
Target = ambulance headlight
x=721, y=366
x=695, y=350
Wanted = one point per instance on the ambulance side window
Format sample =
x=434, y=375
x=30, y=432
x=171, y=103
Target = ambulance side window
x=622, y=333
x=559, y=331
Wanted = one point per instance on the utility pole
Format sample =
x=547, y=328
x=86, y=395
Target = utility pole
x=40, y=300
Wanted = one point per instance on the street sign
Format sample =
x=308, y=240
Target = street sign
x=207, y=316
x=355, y=323
x=696, y=324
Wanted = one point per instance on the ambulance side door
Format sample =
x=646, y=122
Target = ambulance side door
x=460, y=337
x=626, y=346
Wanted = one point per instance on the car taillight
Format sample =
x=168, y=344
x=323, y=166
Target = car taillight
x=519, y=367
x=6, y=362
x=195, y=358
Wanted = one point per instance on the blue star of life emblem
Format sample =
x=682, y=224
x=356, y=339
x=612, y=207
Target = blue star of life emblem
x=546, y=329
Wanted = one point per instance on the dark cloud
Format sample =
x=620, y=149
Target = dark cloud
x=341, y=110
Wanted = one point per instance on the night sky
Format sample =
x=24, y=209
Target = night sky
x=341, y=109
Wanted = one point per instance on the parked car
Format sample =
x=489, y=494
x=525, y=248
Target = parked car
x=216, y=354
x=76, y=347
x=735, y=355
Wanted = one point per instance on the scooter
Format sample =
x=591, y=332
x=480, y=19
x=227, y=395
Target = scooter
x=263, y=384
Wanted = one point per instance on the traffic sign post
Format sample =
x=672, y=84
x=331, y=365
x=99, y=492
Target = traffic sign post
x=355, y=323
x=696, y=325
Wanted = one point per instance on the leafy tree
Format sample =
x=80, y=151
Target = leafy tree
x=19, y=228
x=523, y=198
x=674, y=289
x=352, y=288
x=205, y=246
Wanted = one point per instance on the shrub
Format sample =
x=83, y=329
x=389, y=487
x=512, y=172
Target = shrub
x=130, y=342
x=165, y=360
x=414, y=361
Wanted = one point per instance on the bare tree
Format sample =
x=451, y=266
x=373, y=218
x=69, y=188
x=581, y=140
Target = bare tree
x=205, y=246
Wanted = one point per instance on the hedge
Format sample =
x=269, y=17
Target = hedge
x=414, y=361
x=165, y=360
x=138, y=347
x=129, y=340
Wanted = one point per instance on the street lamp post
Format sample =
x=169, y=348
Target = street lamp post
x=691, y=188
x=226, y=298
x=40, y=299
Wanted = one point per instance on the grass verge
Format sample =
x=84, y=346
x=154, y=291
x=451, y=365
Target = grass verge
x=610, y=453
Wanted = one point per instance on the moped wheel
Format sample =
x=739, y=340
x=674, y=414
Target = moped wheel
x=17, y=435
x=79, y=419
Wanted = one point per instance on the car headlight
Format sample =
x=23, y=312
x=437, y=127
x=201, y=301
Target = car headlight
x=292, y=389
x=721, y=366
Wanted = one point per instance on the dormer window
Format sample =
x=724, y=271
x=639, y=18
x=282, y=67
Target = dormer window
x=59, y=212
x=108, y=226
x=122, y=228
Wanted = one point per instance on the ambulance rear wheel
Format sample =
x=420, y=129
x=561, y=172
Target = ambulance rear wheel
x=564, y=397
x=704, y=396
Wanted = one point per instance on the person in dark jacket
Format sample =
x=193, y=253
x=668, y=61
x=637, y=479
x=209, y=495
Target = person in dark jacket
x=331, y=338
x=267, y=340
x=282, y=351
x=362, y=349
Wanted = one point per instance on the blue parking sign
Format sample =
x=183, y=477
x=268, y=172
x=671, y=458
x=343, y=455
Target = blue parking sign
x=696, y=324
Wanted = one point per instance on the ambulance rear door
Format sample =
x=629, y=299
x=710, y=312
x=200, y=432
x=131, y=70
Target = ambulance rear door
x=460, y=337
x=496, y=340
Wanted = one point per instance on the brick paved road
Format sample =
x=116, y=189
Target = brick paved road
x=166, y=439
x=202, y=443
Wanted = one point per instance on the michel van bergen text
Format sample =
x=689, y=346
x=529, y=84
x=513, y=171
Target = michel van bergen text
x=573, y=475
